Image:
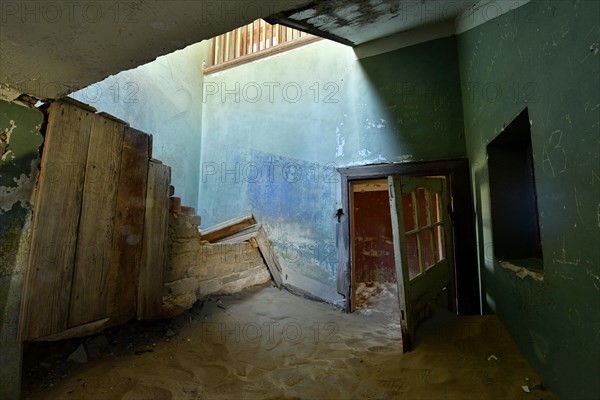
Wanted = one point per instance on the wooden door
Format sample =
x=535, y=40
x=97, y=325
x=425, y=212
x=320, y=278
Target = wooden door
x=422, y=248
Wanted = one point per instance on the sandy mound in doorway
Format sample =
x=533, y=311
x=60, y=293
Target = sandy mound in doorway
x=266, y=343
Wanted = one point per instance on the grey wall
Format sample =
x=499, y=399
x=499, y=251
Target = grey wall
x=544, y=56
x=275, y=130
x=163, y=98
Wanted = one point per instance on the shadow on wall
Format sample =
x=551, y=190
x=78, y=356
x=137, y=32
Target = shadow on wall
x=419, y=88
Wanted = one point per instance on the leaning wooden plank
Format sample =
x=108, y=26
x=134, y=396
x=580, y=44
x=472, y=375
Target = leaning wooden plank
x=227, y=228
x=48, y=278
x=241, y=236
x=77, y=331
x=128, y=228
x=269, y=256
x=155, y=241
x=96, y=223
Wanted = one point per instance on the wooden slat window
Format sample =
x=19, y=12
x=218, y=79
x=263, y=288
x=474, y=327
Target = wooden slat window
x=252, y=41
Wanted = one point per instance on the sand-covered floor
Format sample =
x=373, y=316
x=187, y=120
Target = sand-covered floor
x=266, y=344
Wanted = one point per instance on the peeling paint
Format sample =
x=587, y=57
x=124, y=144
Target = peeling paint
x=364, y=153
x=341, y=142
x=304, y=14
x=522, y=272
x=5, y=139
x=22, y=193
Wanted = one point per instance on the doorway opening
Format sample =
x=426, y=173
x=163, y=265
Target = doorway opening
x=374, y=283
x=421, y=207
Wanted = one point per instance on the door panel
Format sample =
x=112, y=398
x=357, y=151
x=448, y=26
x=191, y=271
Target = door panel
x=422, y=247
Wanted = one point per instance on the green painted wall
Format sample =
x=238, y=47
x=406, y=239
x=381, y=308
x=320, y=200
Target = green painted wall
x=275, y=130
x=544, y=56
x=20, y=140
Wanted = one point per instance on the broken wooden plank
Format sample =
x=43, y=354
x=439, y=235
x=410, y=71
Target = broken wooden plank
x=112, y=117
x=154, y=247
x=89, y=292
x=227, y=228
x=269, y=256
x=242, y=236
x=128, y=228
x=77, y=331
x=78, y=104
x=257, y=236
x=48, y=278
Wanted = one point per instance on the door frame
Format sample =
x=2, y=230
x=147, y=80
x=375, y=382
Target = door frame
x=466, y=273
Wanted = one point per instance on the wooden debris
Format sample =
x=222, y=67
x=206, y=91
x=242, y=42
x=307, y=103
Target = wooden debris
x=266, y=250
x=227, y=228
x=242, y=236
x=257, y=236
x=77, y=331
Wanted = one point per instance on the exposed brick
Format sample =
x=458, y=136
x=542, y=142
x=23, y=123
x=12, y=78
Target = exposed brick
x=230, y=278
x=184, y=260
x=186, y=230
x=188, y=210
x=175, y=305
x=175, y=273
x=202, y=271
x=195, y=220
x=259, y=276
x=187, y=245
x=187, y=285
x=193, y=271
x=208, y=287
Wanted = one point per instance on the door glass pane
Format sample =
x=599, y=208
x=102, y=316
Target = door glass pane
x=427, y=248
x=435, y=208
x=409, y=213
x=422, y=202
x=412, y=255
x=440, y=245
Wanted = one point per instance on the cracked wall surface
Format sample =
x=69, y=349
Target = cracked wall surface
x=20, y=140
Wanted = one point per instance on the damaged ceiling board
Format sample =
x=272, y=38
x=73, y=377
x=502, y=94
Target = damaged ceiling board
x=49, y=49
x=355, y=22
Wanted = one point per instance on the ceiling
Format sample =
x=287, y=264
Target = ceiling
x=50, y=49
x=354, y=22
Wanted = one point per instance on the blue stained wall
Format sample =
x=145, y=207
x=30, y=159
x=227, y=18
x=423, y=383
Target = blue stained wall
x=275, y=130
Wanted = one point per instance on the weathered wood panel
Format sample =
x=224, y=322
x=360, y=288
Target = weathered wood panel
x=78, y=331
x=343, y=264
x=48, y=279
x=94, y=242
x=155, y=241
x=242, y=236
x=401, y=261
x=227, y=228
x=129, y=227
x=268, y=254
